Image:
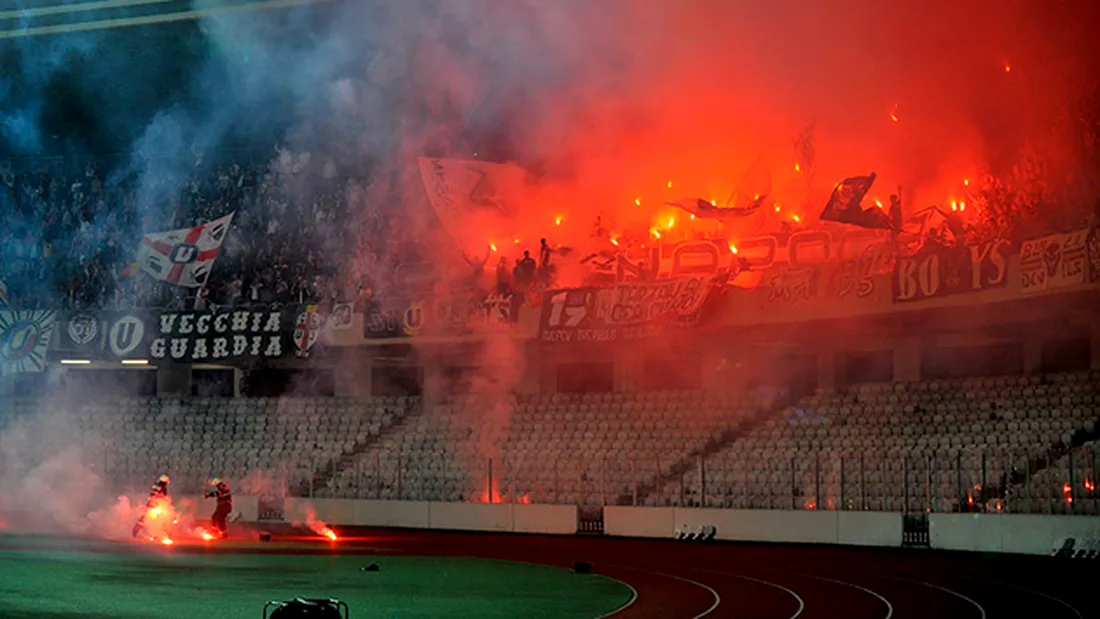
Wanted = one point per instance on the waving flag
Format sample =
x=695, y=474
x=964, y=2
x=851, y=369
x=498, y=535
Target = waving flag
x=844, y=205
x=183, y=257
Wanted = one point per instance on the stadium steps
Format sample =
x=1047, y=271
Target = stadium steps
x=690, y=462
x=1016, y=482
x=323, y=476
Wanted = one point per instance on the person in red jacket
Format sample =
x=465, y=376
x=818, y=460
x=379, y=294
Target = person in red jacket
x=224, y=497
x=157, y=495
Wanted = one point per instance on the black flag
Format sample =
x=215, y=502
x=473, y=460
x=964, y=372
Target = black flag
x=844, y=205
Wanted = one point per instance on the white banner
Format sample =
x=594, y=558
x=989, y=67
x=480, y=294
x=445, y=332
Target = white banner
x=24, y=339
x=183, y=257
x=1054, y=261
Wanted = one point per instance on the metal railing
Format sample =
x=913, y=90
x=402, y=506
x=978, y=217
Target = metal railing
x=959, y=482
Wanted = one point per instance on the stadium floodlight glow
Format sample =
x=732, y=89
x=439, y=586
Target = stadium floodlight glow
x=76, y=362
x=135, y=362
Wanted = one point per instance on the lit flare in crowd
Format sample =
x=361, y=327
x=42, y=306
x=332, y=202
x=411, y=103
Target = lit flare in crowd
x=1067, y=491
x=733, y=248
x=669, y=185
x=637, y=201
x=1089, y=485
x=894, y=113
x=167, y=541
x=558, y=220
x=492, y=247
x=330, y=534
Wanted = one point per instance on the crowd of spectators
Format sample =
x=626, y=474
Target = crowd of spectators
x=72, y=230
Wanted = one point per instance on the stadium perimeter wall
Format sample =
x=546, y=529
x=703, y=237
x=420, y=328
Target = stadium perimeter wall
x=1010, y=533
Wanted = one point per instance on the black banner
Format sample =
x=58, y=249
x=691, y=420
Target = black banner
x=81, y=333
x=944, y=271
x=452, y=316
x=625, y=311
x=224, y=336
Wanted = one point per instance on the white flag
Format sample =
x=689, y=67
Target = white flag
x=183, y=257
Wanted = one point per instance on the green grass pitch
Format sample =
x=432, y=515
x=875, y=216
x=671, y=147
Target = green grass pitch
x=43, y=579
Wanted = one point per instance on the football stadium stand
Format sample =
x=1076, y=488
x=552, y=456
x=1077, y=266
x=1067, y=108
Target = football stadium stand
x=1019, y=444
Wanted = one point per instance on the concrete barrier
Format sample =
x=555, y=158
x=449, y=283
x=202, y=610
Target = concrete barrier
x=639, y=521
x=470, y=516
x=407, y=514
x=869, y=528
x=553, y=519
x=1013, y=533
x=509, y=517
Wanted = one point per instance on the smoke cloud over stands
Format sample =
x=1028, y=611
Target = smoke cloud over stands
x=607, y=102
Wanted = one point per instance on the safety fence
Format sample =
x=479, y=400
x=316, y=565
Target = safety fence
x=1047, y=482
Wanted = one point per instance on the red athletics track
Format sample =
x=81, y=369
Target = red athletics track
x=677, y=580
x=683, y=580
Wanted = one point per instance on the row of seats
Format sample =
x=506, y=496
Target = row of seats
x=126, y=442
x=934, y=446
x=942, y=445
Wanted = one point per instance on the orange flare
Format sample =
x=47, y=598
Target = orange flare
x=669, y=185
x=733, y=248
x=637, y=201
x=492, y=247
x=796, y=218
x=166, y=541
x=557, y=220
x=714, y=202
x=671, y=222
x=330, y=534
x=797, y=168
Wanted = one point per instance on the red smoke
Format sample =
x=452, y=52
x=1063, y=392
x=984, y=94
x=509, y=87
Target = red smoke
x=314, y=524
x=677, y=100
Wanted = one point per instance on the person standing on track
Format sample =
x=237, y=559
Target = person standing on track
x=220, y=492
x=157, y=495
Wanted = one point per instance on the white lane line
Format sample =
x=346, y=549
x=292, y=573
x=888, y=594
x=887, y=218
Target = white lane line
x=889, y=606
x=717, y=598
x=981, y=611
x=629, y=603
x=1026, y=590
x=801, y=603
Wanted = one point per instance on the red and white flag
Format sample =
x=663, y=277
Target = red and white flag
x=183, y=257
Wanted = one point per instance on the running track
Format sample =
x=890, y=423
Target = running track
x=680, y=580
